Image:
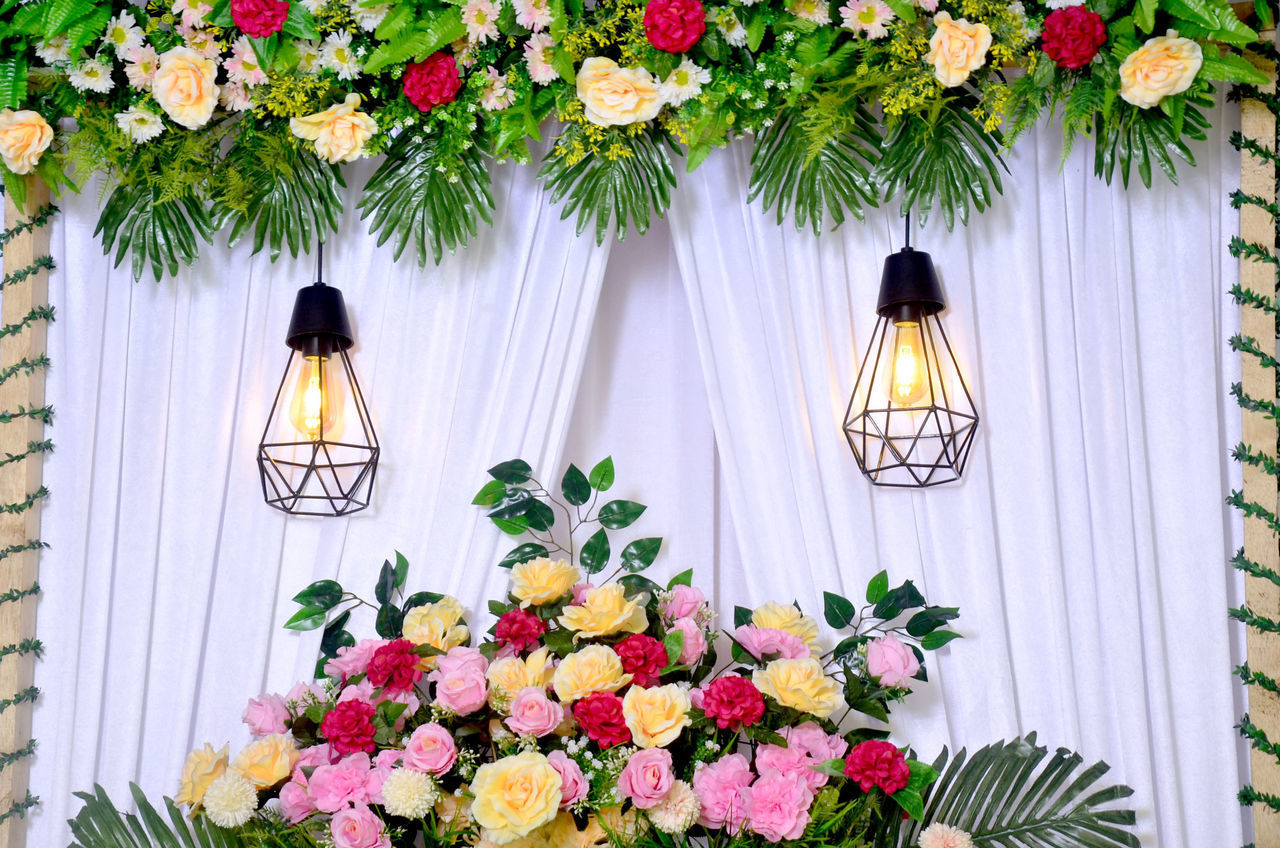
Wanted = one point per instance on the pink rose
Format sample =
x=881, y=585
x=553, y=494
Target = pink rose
x=362, y=691
x=316, y=755
x=265, y=715
x=430, y=749
x=295, y=805
x=580, y=593
x=760, y=641
x=683, y=602
x=789, y=762
x=646, y=778
x=358, y=828
x=719, y=786
x=303, y=693
x=533, y=712
x=697, y=698
x=695, y=643
x=353, y=659
x=891, y=662
x=333, y=787
x=463, y=692
x=457, y=661
x=815, y=741
x=778, y=807
x=573, y=786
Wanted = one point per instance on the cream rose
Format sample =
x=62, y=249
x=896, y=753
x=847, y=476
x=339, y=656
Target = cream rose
x=595, y=668
x=24, y=137
x=515, y=795
x=542, y=580
x=436, y=625
x=656, y=715
x=268, y=761
x=799, y=684
x=606, y=611
x=785, y=617
x=339, y=132
x=203, y=766
x=184, y=87
x=508, y=675
x=1165, y=65
x=957, y=48
x=613, y=96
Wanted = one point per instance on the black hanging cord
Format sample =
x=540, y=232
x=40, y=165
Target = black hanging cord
x=320, y=263
x=908, y=229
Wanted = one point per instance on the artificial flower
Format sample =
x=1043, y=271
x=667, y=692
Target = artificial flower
x=430, y=749
x=394, y=666
x=817, y=11
x=656, y=716
x=694, y=645
x=601, y=717
x=122, y=34
x=230, y=800
x=259, y=18
x=308, y=56
x=787, y=618
x=607, y=609
x=409, y=794
x=184, y=87
x=573, y=784
x=1063, y=4
x=265, y=714
x=334, y=786
x=533, y=15
x=519, y=629
x=437, y=624
x=678, y=811
x=480, y=17
x=674, y=25
x=939, y=835
x=799, y=684
x=719, y=786
x=339, y=134
x=646, y=778
x=869, y=17
x=1162, y=67
x=463, y=692
x=542, y=581
x=369, y=16
x=336, y=55
x=891, y=662
x=778, y=806
x=53, y=50
x=193, y=12
x=733, y=702
x=508, y=675
x=877, y=764
x=643, y=657
x=202, y=41
x=614, y=96
x=496, y=95
x=268, y=761
x=515, y=795
x=957, y=48
x=595, y=668
x=203, y=766
x=24, y=137
x=140, y=66
x=91, y=75
x=769, y=643
x=533, y=713
x=681, y=85
x=684, y=601
x=349, y=727
x=358, y=827
x=537, y=58
x=432, y=82
x=1072, y=36
x=242, y=67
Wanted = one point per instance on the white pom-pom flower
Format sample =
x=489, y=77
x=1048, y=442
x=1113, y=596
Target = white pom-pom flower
x=230, y=800
x=938, y=835
x=677, y=812
x=410, y=794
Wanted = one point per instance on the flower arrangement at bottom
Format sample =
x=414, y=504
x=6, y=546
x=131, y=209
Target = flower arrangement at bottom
x=599, y=712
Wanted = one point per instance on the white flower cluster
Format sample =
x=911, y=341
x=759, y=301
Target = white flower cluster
x=230, y=800
x=409, y=793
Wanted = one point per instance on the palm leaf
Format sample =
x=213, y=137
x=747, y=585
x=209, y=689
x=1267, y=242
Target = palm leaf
x=625, y=187
x=949, y=162
x=293, y=194
x=816, y=178
x=418, y=196
x=1015, y=795
x=137, y=220
x=100, y=825
x=1141, y=137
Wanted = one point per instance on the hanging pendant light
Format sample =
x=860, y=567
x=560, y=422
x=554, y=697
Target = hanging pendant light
x=911, y=419
x=319, y=454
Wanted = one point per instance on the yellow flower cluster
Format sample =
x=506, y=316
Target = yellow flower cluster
x=290, y=95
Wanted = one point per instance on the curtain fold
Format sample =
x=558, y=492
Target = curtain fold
x=1085, y=546
x=169, y=578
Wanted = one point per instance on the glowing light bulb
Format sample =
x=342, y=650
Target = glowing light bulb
x=315, y=410
x=908, y=380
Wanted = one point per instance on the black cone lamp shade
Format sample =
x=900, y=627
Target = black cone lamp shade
x=911, y=419
x=319, y=454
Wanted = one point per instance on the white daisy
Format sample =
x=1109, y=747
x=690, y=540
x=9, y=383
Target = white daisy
x=463, y=53
x=242, y=66
x=496, y=95
x=368, y=17
x=481, y=20
x=811, y=10
x=537, y=56
x=122, y=34
x=534, y=15
x=684, y=83
x=53, y=50
x=1062, y=4
x=91, y=75
x=234, y=97
x=312, y=6
x=869, y=17
x=336, y=55
x=141, y=125
x=193, y=12
x=308, y=56
x=729, y=25
x=140, y=66
x=1030, y=31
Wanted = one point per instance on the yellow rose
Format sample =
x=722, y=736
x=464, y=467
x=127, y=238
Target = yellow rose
x=656, y=715
x=24, y=136
x=453, y=813
x=799, y=684
x=613, y=96
x=609, y=826
x=184, y=87
x=515, y=795
x=606, y=611
x=508, y=675
x=595, y=668
x=541, y=581
x=786, y=617
x=339, y=132
x=957, y=48
x=1165, y=65
x=203, y=766
x=436, y=625
x=268, y=761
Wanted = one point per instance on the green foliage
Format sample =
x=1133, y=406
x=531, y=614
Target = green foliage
x=1014, y=794
x=138, y=219
x=623, y=186
x=423, y=194
x=412, y=35
x=1140, y=137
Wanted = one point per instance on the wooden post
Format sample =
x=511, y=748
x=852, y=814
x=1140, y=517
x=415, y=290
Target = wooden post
x=1257, y=177
x=18, y=480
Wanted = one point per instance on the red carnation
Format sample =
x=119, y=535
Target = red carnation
x=432, y=82
x=259, y=18
x=1073, y=35
x=877, y=763
x=395, y=666
x=674, y=25
x=600, y=715
x=643, y=657
x=520, y=629
x=734, y=702
x=349, y=727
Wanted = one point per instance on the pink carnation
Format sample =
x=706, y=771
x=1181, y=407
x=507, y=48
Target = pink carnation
x=430, y=749
x=763, y=641
x=646, y=778
x=778, y=807
x=573, y=785
x=295, y=804
x=815, y=741
x=333, y=787
x=265, y=715
x=352, y=660
x=791, y=763
x=532, y=712
x=719, y=787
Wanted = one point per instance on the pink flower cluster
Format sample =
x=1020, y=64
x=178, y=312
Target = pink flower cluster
x=343, y=787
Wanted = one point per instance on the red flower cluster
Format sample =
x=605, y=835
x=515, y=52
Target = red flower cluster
x=349, y=727
x=432, y=82
x=259, y=18
x=1073, y=35
x=520, y=629
x=734, y=702
x=395, y=666
x=674, y=25
x=875, y=763
x=643, y=657
x=600, y=715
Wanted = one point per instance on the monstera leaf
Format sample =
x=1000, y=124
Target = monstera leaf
x=138, y=219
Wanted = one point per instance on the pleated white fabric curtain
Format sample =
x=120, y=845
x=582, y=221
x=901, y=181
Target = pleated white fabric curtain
x=169, y=578
x=1086, y=544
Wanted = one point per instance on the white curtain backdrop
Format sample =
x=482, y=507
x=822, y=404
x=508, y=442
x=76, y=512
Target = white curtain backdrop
x=1085, y=547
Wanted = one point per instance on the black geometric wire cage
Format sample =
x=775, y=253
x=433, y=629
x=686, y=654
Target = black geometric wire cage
x=319, y=453
x=911, y=420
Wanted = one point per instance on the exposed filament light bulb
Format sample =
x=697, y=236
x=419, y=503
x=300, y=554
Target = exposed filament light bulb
x=315, y=410
x=909, y=382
